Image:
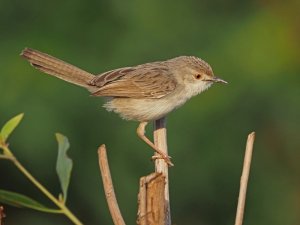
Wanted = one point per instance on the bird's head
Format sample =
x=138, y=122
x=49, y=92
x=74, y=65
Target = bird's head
x=201, y=71
x=197, y=75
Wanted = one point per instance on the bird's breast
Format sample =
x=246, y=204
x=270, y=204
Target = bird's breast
x=151, y=109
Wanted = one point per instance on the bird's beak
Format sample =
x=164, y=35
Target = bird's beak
x=218, y=80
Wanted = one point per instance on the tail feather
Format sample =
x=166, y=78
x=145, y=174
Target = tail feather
x=58, y=68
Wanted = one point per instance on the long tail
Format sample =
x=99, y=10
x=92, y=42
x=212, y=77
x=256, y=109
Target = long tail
x=58, y=68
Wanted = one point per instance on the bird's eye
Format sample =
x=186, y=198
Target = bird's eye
x=198, y=76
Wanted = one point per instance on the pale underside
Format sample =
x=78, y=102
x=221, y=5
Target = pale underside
x=144, y=93
x=152, y=109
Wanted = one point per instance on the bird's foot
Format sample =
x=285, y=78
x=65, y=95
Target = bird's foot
x=164, y=157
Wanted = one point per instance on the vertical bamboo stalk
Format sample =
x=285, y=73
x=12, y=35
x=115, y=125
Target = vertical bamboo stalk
x=160, y=141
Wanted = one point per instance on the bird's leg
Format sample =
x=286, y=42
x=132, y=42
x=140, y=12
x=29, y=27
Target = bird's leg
x=141, y=133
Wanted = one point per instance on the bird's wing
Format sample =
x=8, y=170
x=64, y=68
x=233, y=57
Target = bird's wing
x=135, y=82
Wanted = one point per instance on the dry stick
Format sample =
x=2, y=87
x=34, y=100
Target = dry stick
x=2, y=215
x=244, y=180
x=109, y=188
x=160, y=141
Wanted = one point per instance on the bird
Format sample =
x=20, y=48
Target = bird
x=143, y=93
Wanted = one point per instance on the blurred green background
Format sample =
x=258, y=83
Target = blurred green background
x=254, y=45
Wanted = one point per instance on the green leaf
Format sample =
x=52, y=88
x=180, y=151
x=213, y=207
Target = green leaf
x=10, y=126
x=19, y=200
x=63, y=164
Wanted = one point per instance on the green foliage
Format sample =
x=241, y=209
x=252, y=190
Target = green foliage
x=63, y=164
x=19, y=200
x=9, y=127
x=64, y=167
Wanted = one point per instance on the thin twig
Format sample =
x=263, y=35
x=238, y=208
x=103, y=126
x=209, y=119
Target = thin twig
x=160, y=141
x=244, y=180
x=109, y=188
x=2, y=215
x=7, y=157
